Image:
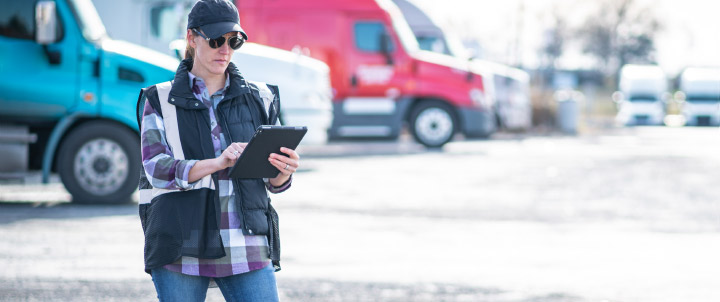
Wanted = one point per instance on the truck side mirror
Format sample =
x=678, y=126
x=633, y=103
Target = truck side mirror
x=45, y=22
x=617, y=98
x=472, y=54
x=46, y=28
x=385, y=48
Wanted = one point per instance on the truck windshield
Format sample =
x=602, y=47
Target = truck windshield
x=89, y=20
x=703, y=98
x=434, y=44
x=455, y=47
x=402, y=28
x=643, y=98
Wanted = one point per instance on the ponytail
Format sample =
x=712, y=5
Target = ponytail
x=189, y=52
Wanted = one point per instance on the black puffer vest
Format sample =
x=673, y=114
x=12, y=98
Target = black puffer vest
x=186, y=223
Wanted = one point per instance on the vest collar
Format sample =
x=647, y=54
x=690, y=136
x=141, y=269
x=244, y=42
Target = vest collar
x=238, y=85
x=183, y=95
x=181, y=82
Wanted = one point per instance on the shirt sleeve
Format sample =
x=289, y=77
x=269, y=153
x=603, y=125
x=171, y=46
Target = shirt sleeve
x=163, y=171
x=281, y=188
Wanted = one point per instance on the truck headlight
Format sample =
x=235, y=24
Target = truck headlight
x=479, y=98
x=317, y=100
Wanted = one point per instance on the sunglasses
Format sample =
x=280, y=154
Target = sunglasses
x=234, y=42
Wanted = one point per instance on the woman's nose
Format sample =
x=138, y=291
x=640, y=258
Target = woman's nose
x=224, y=48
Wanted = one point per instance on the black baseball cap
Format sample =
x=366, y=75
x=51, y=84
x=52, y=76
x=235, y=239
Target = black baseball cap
x=215, y=18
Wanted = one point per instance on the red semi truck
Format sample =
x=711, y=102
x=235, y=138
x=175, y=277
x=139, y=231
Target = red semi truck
x=381, y=79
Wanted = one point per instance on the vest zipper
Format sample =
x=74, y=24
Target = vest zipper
x=216, y=181
x=235, y=181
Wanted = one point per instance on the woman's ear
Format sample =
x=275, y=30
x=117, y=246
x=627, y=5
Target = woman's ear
x=190, y=38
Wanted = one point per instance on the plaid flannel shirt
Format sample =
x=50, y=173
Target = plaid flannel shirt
x=244, y=253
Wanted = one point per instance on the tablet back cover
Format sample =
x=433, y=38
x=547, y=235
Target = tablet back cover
x=253, y=162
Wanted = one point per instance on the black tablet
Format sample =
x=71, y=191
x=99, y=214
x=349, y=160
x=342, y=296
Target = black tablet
x=253, y=162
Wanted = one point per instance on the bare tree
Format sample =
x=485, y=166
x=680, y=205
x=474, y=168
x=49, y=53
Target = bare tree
x=554, y=40
x=621, y=32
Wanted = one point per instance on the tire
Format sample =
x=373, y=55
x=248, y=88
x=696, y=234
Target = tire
x=99, y=162
x=433, y=124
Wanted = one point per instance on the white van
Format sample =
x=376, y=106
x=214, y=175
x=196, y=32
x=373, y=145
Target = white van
x=510, y=88
x=304, y=85
x=700, y=89
x=642, y=96
x=303, y=81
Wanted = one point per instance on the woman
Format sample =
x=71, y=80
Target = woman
x=200, y=225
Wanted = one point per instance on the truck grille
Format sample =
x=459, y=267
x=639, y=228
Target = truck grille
x=642, y=119
x=703, y=120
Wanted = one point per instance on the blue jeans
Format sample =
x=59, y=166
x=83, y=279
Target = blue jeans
x=257, y=285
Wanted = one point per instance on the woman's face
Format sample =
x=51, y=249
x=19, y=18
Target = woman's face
x=211, y=60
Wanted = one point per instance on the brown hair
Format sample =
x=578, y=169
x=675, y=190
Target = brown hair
x=189, y=51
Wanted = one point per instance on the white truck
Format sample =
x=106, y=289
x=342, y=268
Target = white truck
x=700, y=89
x=507, y=87
x=303, y=81
x=304, y=85
x=150, y=23
x=510, y=88
x=642, y=96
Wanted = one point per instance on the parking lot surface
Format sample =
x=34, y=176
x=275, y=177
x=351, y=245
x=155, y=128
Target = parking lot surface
x=630, y=214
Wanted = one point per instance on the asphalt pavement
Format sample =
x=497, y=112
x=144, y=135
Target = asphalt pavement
x=626, y=214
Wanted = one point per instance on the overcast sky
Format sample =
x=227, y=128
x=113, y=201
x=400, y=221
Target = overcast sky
x=690, y=36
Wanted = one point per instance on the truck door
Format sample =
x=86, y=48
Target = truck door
x=36, y=81
x=371, y=107
x=372, y=72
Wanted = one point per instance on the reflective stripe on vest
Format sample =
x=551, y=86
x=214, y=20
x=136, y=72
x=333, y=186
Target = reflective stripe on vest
x=172, y=135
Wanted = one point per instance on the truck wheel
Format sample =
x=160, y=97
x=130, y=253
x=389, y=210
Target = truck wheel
x=99, y=162
x=433, y=124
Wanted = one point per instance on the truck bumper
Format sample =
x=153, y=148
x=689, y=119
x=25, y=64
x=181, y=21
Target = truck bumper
x=366, y=123
x=317, y=121
x=702, y=115
x=476, y=122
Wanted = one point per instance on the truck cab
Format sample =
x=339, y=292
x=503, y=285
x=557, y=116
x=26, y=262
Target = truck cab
x=380, y=77
x=69, y=95
x=700, y=89
x=642, y=96
x=507, y=88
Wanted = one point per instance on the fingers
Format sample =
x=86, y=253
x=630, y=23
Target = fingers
x=235, y=149
x=232, y=153
x=286, y=165
x=284, y=168
x=290, y=152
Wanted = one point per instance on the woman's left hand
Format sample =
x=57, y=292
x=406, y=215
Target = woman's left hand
x=286, y=164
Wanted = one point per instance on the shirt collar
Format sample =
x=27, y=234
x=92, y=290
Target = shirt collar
x=197, y=84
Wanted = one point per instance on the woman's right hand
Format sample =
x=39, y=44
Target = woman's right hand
x=230, y=155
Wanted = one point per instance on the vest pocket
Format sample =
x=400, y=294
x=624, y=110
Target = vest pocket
x=183, y=224
x=257, y=221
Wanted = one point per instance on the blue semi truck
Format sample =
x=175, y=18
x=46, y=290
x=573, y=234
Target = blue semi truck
x=67, y=98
